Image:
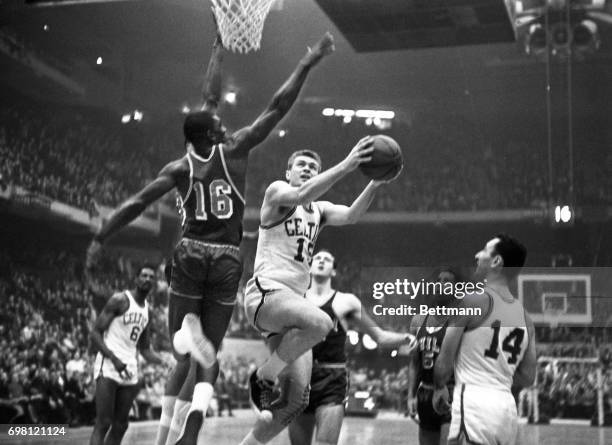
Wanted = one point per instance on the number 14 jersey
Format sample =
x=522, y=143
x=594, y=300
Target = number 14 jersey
x=285, y=248
x=489, y=354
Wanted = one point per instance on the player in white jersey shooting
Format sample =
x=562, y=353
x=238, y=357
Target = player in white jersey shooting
x=274, y=300
x=118, y=333
x=491, y=352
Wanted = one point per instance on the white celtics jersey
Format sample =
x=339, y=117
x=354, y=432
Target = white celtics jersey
x=489, y=354
x=285, y=248
x=122, y=335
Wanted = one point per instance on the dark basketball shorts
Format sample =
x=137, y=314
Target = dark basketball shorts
x=429, y=419
x=328, y=386
x=202, y=274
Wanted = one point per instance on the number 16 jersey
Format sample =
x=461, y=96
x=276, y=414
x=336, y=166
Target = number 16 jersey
x=285, y=248
x=212, y=206
x=489, y=354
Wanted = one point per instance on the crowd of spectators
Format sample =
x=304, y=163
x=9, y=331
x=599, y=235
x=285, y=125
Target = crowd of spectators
x=84, y=159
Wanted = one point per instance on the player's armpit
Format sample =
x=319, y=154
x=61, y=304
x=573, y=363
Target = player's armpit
x=335, y=214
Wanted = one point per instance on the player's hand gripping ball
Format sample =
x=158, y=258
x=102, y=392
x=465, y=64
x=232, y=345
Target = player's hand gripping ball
x=387, y=160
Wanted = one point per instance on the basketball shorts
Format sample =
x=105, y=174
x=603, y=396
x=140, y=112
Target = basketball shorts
x=103, y=367
x=256, y=293
x=202, y=273
x=483, y=415
x=429, y=419
x=328, y=386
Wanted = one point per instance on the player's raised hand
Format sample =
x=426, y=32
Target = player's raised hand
x=94, y=252
x=362, y=152
x=440, y=401
x=322, y=48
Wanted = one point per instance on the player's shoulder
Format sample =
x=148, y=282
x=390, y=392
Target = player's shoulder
x=345, y=303
x=118, y=302
x=177, y=166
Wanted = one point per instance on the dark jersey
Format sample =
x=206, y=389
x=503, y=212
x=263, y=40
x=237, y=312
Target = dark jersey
x=212, y=206
x=331, y=350
x=429, y=343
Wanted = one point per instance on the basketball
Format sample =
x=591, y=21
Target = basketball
x=386, y=160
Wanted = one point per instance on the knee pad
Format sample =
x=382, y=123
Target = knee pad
x=297, y=401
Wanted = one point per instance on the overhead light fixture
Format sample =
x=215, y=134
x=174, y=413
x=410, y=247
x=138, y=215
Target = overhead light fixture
x=185, y=109
x=99, y=61
x=282, y=133
x=138, y=115
x=328, y=112
x=231, y=97
x=45, y=27
x=126, y=118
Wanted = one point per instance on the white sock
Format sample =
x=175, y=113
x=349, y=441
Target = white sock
x=167, y=406
x=181, y=408
x=271, y=368
x=202, y=394
x=250, y=440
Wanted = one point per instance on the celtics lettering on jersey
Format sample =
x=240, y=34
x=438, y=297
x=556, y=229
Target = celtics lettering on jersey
x=212, y=207
x=305, y=233
x=138, y=320
x=285, y=248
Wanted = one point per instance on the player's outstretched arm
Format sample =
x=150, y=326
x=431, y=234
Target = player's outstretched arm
x=131, y=209
x=526, y=371
x=211, y=91
x=352, y=312
x=115, y=306
x=282, y=194
x=282, y=101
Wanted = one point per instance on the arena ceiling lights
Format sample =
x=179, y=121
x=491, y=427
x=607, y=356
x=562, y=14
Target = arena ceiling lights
x=380, y=118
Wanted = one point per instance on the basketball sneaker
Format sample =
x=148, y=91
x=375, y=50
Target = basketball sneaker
x=263, y=395
x=191, y=339
x=192, y=428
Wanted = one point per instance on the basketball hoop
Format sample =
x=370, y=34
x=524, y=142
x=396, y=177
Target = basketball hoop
x=240, y=22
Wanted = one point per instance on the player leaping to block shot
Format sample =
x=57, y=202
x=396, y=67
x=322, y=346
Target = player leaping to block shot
x=206, y=266
x=489, y=353
x=329, y=380
x=291, y=220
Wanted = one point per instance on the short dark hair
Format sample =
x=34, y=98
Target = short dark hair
x=146, y=265
x=512, y=252
x=311, y=154
x=197, y=125
x=335, y=265
x=450, y=269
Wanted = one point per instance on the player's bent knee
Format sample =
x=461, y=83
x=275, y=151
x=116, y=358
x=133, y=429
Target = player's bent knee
x=322, y=325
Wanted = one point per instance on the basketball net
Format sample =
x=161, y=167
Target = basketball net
x=240, y=22
x=553, y=317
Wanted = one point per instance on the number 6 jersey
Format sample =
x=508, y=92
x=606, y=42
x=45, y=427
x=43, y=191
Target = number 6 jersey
x=285, y=248
x=121, y=337
x=489, y=354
